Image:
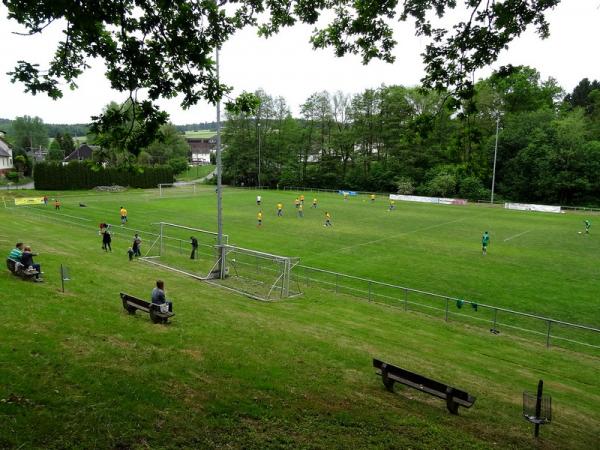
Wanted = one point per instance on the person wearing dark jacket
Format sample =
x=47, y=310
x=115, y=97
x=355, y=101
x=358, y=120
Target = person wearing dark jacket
x=27, y=261
x=159, y=296
x=106, y=240
x=194, y=243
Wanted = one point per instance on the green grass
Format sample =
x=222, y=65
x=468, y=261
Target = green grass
x=196, y=172
x=200, y=134
x=228, y=371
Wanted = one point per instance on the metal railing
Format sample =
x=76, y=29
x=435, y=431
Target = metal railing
x=497, y=319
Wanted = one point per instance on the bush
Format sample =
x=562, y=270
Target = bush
x=81, y=175
x=472, y=188
x=405, y=186
x=13, y=176
x=179, y=165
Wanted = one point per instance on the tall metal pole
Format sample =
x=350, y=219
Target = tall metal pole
x=495, y=155
x=258, y=125
x=219, y=185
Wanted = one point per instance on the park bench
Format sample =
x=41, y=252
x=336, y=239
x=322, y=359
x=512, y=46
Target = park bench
x=391, y=374
x=18, y=269
x=133, y=304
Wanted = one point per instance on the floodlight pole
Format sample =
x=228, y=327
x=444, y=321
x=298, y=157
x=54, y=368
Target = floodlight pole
x=495, y=155
x=219, y=185
x=258, y=125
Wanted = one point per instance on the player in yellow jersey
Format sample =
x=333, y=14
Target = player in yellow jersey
x=302, y=199
x=327, y=219
x=392, y=205
x=280, y=209
x=314, y=204
x=372, y=198
x=297, y=202
x=301, y=210
x=259, y=219
x=123, y=213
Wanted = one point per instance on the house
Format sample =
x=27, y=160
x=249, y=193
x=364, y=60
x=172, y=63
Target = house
x=81, y=153
x=6, y=158
x=201, y=149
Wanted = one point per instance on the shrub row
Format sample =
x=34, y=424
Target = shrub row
x=81, y=175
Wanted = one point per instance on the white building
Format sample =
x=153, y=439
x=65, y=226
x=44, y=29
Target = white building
x=6, y=159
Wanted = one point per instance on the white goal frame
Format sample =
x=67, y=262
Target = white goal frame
x=162, y=186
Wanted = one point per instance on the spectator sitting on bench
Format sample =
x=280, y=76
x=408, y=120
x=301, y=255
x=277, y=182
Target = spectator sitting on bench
x=27, y=261
x=158, y=295
x=17, y=252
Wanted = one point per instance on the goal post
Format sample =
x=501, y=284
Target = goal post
x=179, y=188
x=256, y=274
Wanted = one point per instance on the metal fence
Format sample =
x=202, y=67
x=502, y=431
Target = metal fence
x=497, y=320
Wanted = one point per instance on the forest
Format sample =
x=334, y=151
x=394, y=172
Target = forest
x=416, y=141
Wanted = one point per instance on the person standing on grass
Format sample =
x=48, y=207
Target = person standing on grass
x=56, y=204
x=194, y=243
x=130, y=253
x=345, y=196
x=259, y=219
x=45, y=200
x=280, y=209
x=327, y=219
x=392, y=205
x=106, y=240
x=123, y=214
x=485, y=240
x=136, y=245
x=258, y=200
x=372, y=198
x=301, y=210
x=314, y=204
x=588, y=225
x=297, y=202
x=302, y=199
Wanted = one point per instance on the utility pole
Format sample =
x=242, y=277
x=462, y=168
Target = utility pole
x=495, y=155
x=219, y=185
x=258, y=125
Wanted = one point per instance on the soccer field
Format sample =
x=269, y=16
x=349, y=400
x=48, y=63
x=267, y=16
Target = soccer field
x=537, y=263
x=233, y=372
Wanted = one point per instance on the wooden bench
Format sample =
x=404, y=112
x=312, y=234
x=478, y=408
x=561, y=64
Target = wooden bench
x=133, y=304
x=18, y=269
x=391, y=374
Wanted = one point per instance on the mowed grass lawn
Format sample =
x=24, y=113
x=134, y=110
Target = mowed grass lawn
x=79, y=372
x=196, y=172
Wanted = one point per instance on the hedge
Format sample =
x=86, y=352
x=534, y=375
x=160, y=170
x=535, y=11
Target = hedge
x=81, y=175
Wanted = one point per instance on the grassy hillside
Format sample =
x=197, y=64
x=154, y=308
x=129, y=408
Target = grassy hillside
x=233, y=372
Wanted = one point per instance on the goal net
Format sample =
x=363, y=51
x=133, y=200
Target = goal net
x=179, y=188
x=171, y=248
x=259, y=275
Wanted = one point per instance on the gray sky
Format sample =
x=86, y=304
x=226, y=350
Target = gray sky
x=286, y=66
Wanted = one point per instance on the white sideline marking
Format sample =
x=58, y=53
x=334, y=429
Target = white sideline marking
x=394, y=236
x=517, y=235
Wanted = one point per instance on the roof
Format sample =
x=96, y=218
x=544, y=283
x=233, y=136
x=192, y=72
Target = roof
x=84, y=151
x=4, y=149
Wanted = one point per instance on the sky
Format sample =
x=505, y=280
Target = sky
x=286, y=65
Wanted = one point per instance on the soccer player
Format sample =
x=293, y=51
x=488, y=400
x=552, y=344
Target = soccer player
x=327, y=219
x=123, y=214
x=392, y=205
x=302, y=199
x=259, y=219
x=258, y=200
x=301, y=210
x=56, y=204
x=345, y=196
x=314, y=204
x=297, y=202
x=485, y=240
x=280, y=209
x=588, y=225
x=372, y=198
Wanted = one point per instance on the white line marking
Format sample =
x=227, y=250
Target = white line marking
x=517, y=235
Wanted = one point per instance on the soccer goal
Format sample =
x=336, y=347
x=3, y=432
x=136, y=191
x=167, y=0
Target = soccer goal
x=259, y=275
x=179, y=188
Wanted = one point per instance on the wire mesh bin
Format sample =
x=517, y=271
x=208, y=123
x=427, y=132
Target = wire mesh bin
x=537, y=408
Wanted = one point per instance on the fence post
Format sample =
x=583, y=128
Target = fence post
x=447, y=309
x=548, y=335
x=369, y=290
x=495, y=317
x=405, y=299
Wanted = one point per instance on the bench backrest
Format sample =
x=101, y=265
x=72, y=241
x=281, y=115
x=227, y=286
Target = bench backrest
x=423, y=383
x=137, y=302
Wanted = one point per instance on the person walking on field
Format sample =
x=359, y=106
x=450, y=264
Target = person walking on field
x=327, y=219
x=258, y=200
x=56, y=204
x=194, y=243
x=485, y=240
x=280, y=209
x=123, y=214
x=259, y=219
x=136, y=245
x=301, y=210
x=588, y=225
x=314, y=203
x=106, y=240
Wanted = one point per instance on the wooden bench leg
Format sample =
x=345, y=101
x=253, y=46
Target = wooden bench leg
x=450, y=403
x=387, y=381
x=130, y=309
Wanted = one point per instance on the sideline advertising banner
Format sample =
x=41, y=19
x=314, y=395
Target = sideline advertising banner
x=29, y=201
x=421, y=199
x=531, y=207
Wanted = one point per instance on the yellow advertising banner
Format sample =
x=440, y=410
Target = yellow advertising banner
x=29, y=201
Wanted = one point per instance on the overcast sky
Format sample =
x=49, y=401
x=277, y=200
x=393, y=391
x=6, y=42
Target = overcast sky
x=286, y=65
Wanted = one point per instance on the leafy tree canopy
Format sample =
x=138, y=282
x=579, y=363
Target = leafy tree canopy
x=166, y=48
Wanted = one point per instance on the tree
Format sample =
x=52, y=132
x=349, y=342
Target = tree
x=55, y=153
x=29, y=132
x=167, y=47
